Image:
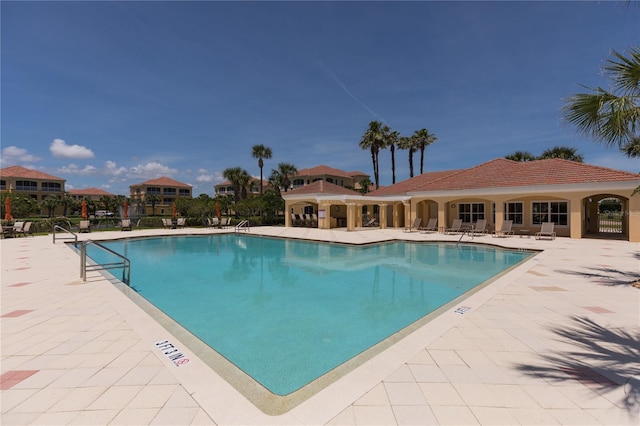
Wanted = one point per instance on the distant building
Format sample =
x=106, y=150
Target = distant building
x=226, y=188
x=166, y=189
x=31, y=183
x=329, y=174
x=88, y=194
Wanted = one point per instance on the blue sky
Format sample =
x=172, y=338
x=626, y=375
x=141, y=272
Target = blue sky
x=108, y=94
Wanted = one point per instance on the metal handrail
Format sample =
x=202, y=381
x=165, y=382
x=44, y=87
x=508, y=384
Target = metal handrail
x=244, y=224
x=74, y=236
x=466, y=231
x=125, y=264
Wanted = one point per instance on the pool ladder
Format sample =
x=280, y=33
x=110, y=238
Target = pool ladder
x=123, y=262
x=244, y=225
x=468, y=232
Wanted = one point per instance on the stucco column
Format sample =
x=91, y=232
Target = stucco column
x=575, y=217
x=351, y=216
x=383, y=215
x=324, y=223
x=633, y=216
x=287, y=215
x=395, y=215
x=442, y=214
x=499, y=216
x=408, y=214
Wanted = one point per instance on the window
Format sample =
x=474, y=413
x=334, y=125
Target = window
x=514, y=212
x=550, y=211
x=26, y=185
x=168, y=200
x=185, y=192
x=169, y=191
x=51, y=187
x=3, y=184
x=297, y=183
x=152, y=190
x=470, y=212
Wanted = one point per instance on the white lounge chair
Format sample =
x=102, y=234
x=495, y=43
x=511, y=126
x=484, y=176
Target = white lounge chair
x=546, y=231
x=213, y=222
x=125, y=225
x=84, y=226
x=480, y=227
x=456, y=227
x=25, y=229
x=414, y=226
x=17, y=228
x=181, y=223
x=505, y=230
x=432, y=226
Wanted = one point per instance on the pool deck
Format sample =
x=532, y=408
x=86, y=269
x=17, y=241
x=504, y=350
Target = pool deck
x=555, y=341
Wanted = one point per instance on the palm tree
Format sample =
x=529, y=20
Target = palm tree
x=521, y=156
x=391, y=140
x=286, y=172
x=244, y=180
x=234, y=175
x=409, y=143
x=611, y=117
x=261, y=152
x=275, y=180
x=422, y=140
x=50, y=202
x=373, y=140
x=364, y=185
x=153, y=199
x=564, y=152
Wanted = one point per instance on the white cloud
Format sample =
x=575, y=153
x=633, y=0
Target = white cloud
x=13, y=154
x=73, y=169
x=203, y=171
x=112, y=169
x=60, y=149
x=205, y=178
x=151, y=170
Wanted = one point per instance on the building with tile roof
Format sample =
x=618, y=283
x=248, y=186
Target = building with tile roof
x=226, y=188
x=565, y=192
x=163, y=189
x=89, y=194
x=32, y=183
x=328, y=174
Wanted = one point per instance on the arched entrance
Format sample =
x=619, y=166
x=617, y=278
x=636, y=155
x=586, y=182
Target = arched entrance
x=605, y=217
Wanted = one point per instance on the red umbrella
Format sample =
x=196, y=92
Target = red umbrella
x=125, y=209
x=174, y=213
x=84, y=209
x=218, y=212
x=7, y=209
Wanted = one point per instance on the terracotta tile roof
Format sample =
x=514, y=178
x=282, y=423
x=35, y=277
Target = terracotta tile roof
x=23, y=172
x=326, y=170
x=163, y=181
x=322, y=187
x=90, y=191
x=503, y=173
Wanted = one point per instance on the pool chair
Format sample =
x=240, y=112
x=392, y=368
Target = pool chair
x=372, y=221
x=225, y=222
x=182, y=221
x=456, y=227
x=26, y=229
x=167, y=223
x=84, y=226
x=213, y=222
x=546, y=231
x=480, y=227
x=505, y=230
x=125, y=225
x=414, y=226
x=17, y=228
x=432, y=226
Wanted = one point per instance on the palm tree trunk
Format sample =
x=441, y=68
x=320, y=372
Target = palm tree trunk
x=422, y=159
x=393, y=163
x=410, y=163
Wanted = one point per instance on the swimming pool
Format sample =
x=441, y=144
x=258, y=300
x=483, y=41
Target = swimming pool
x=286, y=312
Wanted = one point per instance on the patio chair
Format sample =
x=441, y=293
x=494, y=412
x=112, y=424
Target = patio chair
x=432, y=226
x=181, y=223
x=371, y=221
x=17, y=228
x=224, y=222
x=480, y=227
x=456, y=227
x=546, y=231
x=295, y=220
x=84, y=226
x=505, y=230
x=26, y=229
x=125, y=225
x=213, y=222
x=414, y=226
x=167, y=223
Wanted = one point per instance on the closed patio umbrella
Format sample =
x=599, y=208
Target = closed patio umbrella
x=7, y=209
x=125, y=209
x=174, y=211
x=84, y=209
x=218, y=212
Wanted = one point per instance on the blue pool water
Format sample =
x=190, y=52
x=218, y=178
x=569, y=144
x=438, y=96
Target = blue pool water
x=285, y=311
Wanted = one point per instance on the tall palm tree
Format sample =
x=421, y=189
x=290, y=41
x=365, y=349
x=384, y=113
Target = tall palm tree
x=521, y=156
x=410, y=144
x=611, y=117
x=261, y=152
x=244, y=180
x=564, y=152
x=391, y=141
x=422, y=140
x=153, y=199
x=286, y=172
x=373, y=140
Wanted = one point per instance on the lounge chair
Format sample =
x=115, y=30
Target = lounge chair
x=546, y=231
x=295, y=220
x=432, y=226
x=307, y=220
x=505, y=230
x=480, y=227
x=84, y=226
x=456, y=227
x=167, y=223
x=414, y=226
x=26, y=229
x=224, y=222
x=17, y=229
x=213, y=222
x=182, y=221
x=372, y=221
x=125, y=224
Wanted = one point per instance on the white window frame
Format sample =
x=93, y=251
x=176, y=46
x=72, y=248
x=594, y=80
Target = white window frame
x=549, y=212
x=510, y=215
x=474, y=212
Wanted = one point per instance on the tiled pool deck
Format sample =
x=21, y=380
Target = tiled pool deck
x=555, y=341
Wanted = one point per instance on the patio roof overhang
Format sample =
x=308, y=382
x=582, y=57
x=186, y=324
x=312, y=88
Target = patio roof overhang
x=346, y=199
